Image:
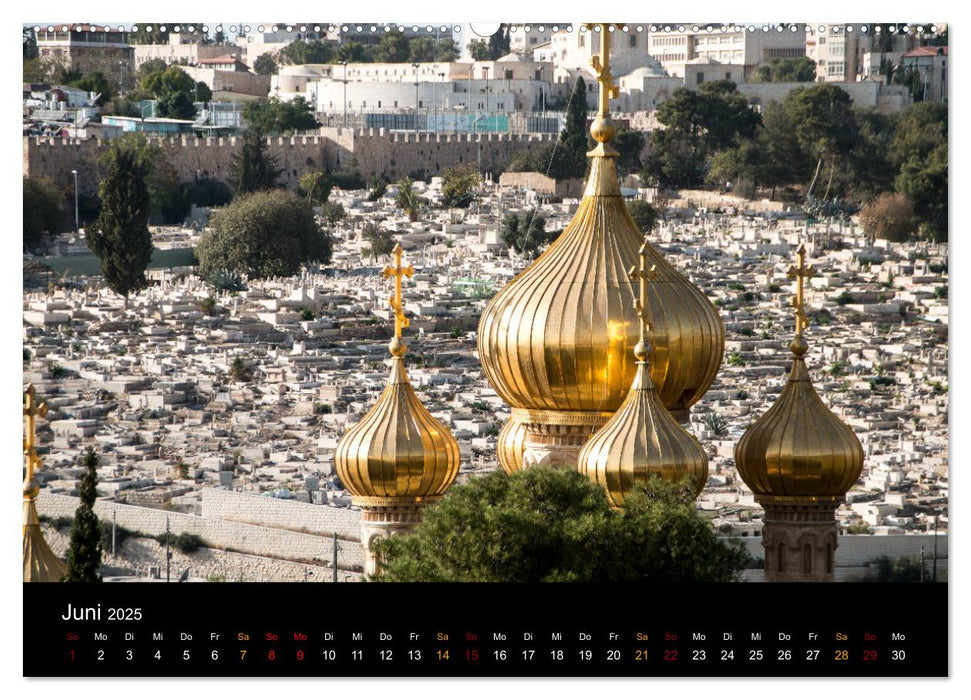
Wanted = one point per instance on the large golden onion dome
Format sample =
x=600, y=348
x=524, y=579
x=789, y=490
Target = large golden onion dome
x=642, y=439
x=556, y=342
x=799, y=451
x=398, y=451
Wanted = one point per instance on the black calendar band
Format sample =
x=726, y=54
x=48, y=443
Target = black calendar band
x=432, y=630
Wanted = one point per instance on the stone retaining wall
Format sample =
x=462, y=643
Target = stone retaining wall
x=285, y=514
x=219, y=534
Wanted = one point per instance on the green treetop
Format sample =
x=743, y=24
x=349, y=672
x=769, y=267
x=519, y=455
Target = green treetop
x=554, y=525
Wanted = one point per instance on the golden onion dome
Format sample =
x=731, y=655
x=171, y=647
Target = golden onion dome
x=642, y=439
x=799, y=450
x=559, y=336
x=398, y=450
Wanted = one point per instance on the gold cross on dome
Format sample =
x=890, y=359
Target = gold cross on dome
x=400, y=320
x=601, y=66
x=800, y=273
x=32, y=409
x=643, y=274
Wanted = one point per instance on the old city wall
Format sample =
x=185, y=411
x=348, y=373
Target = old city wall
x=371, y=152
x=274, y=512
x=220, y=534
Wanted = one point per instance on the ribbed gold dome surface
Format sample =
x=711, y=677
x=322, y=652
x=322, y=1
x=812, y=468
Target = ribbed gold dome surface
x=559, y=336
x=642, y=440
x=41, y=565
x=799, y=451
x=799, y=448
x=398, y=449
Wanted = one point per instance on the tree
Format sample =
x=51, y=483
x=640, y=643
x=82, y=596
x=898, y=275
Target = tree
x=43, y=211
x=408, y=199
x=174, y=89
x=275, y=116
x=332, y=213
x=206, y=192
x=95, y=82
x=919, y=151
x=644, y=214
x=459, y=184
x=479, y=50
x=84, y=550
x=265, y=65
x=381, y=242
x=824, y=126
x=316, y=187
x=499, y=43
x=630, y=144
x=378, y=188
x=302, y=52
x=889, y=216
x=152, y=65
x=203, y=92
x=526, y=234
x=352, y=52
x=554, y=525
x=393, y=48
x=697, y=125
x=263, y=234
x=254, y=169
x=239, y=372
x=787, y=70
x=120, y=236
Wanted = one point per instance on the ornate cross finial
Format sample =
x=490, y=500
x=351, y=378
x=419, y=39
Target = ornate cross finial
x=32, y=409
x=799, y=274
x=601, y=66
x=400, y=320
x=643, y=274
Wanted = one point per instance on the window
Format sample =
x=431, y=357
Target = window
x=699, y=78
x=728, y=75
x=807, y=559
x=633, y=41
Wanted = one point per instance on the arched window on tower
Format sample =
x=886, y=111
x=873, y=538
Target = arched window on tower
x=780, y=555
x=807, y=559
x=829, y=558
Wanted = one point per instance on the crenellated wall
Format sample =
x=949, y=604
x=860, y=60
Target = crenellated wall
x=393, y=155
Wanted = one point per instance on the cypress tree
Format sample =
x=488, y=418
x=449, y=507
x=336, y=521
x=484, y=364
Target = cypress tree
x=120, y=236
x=84, y=551
x=253, y=168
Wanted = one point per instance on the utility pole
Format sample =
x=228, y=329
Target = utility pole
x=168, y=554
x=334, y=566
x=937, y=517
x=77, y=228
x=114, y=513
x=415, y=66
x=344, y=63
x=922, y=563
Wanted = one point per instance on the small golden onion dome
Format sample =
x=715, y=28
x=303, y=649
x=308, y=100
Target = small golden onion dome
x=799, y=448
x=509, y=444
x=799, y=451
x=642, y=439
x=398, y=449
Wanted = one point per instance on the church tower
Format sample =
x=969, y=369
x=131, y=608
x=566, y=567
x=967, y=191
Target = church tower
x=642, y=439
x=799, y=459
x=557, y=342
x=398, y=458
x=40, y=563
